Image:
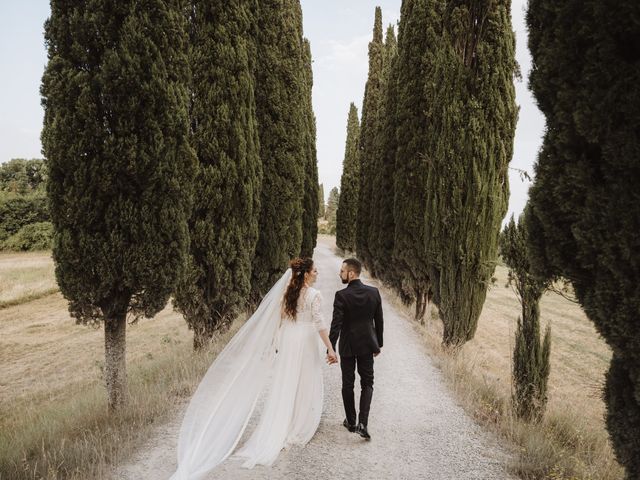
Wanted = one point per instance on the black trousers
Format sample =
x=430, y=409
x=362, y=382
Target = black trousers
x=365, y=370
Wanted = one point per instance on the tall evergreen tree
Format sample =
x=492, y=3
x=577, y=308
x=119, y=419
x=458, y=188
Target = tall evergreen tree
x=321, y=205
x=381, y=234
x=346, y=216
x=474, y=114
x=530, y=355
x=115, y=138
x=280, y=104
x=310, y=202
x=368, y=145
x=224, y=221
x=332, y=208
x=584, y=214
x=418, y=45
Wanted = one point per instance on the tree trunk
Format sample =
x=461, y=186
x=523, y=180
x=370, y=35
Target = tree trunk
x=200, y=339
x=422, y=304
x=115, y=359
x=427, y=311
x=203, y=333
x=451, y=338
x=419, y=300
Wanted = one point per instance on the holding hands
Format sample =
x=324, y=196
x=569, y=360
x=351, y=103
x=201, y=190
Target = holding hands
x=332, y=357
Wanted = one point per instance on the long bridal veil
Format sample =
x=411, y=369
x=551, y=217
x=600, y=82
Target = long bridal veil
x=223, y=402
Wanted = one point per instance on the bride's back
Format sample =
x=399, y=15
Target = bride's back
x=308, y=310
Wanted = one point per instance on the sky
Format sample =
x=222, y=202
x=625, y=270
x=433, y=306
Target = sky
x=339, y=32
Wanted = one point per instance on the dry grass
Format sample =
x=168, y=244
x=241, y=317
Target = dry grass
x=25, y=277
x=53, y=413
x=571, y=442
x=54, y=421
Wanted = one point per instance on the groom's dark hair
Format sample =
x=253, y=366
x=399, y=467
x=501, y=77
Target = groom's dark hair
x=354, y=265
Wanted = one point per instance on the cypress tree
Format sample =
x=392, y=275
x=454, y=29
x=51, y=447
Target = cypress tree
x=368, y=146
x=346, y=216
x=382, y=225
x=310, y=202
x=115, y=139
x=224, y=221
x=584, y=214
x=418, y=44
x=321, y=205
x=474, y=114
x=332, y=207
x=280, y=104
x=530, y=355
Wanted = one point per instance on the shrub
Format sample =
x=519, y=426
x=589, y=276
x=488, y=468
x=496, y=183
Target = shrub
x=35, y=236
x=17, y=210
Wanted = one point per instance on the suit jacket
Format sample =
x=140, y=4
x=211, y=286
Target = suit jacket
x=357, y=320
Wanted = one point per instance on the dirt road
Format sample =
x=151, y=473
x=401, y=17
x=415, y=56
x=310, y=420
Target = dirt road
x=418, y=431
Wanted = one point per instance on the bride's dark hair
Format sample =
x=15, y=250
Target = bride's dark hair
x=299, y=266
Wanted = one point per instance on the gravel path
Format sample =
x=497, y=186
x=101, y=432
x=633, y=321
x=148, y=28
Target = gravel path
x=418, y=430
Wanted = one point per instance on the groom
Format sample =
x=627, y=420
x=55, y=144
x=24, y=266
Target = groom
x=357, y=320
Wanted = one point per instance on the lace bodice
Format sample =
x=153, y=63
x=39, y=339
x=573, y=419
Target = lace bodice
x=310, y=309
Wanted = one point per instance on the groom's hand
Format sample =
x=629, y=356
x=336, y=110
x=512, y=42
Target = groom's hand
x=332, y=358
x=376, y=354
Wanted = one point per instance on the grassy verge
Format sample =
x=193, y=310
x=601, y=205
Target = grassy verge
x=54, y=421
x=69, y=434
x=571, y=442
x=28, y=297
x=25, y=277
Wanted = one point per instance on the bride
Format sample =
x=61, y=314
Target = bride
x=278, y=342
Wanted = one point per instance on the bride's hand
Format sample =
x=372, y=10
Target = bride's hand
x=332, y=357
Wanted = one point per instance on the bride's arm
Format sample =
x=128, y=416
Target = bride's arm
x=331, y=354
x=324, y=335
x=318, y=320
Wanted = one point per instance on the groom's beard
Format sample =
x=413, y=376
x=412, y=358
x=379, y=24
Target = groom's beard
x=344, y=280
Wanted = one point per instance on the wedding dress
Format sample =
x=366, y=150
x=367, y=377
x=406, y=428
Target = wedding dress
x=270, y=355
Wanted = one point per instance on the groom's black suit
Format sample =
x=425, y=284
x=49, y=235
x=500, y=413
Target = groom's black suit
x=357, y=320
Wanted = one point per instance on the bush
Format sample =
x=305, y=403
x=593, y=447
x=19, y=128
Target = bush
x=16, y=211
x=35, y=236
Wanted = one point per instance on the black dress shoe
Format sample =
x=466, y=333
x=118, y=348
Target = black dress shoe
x=348, y=426
x=362, y=431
